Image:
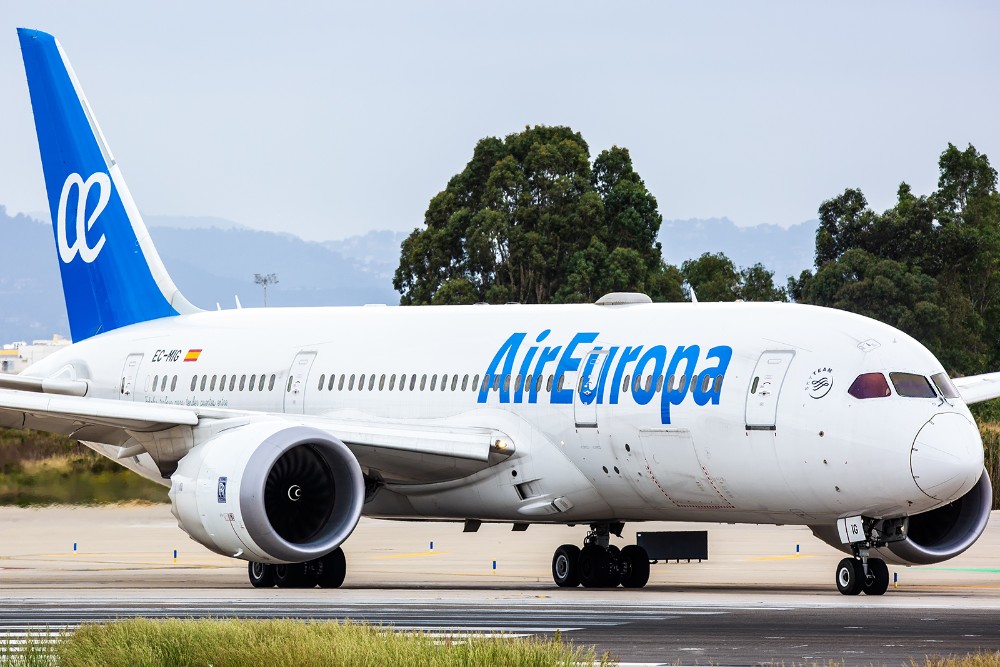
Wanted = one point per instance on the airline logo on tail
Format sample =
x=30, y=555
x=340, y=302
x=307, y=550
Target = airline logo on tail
x=83, y=222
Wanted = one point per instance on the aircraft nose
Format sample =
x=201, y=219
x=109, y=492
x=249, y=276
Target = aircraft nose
x=947, y=456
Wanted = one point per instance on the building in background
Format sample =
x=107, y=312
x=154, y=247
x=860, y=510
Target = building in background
x=15, y=357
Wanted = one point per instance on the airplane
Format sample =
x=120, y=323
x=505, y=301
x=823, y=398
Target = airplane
x=276, y=429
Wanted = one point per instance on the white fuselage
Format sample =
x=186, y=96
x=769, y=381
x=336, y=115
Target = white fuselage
x=777, y=440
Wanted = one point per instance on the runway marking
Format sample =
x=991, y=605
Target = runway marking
x=789, y=557
x=418, y=554
x=987, y=570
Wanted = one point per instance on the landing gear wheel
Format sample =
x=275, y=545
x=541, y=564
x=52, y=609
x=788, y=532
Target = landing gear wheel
x=332, y=569
x=595, y=566
x=615, y=567
x=261, y=575
x=566, y=566
x=877, y=581
x=850, y=576
x=636, y=570
x=292, y=575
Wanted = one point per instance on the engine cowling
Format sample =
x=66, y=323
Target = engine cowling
x=269, y=493
x=936, y=535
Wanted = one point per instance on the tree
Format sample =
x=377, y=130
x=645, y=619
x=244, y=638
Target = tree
x=714, y=277
x=530, y=220
x=930, y=265
x=264, y=280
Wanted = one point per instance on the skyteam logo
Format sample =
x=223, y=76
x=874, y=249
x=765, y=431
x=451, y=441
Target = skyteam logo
x=83, y=223
x=604, y=374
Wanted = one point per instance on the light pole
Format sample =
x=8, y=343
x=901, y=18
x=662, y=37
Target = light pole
x=265, y=279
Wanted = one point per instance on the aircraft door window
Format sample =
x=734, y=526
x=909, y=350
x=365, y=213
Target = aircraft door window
x=944, y=385
x=912, y=385
x=869, y=385
x=288, y=386
x=322, y=382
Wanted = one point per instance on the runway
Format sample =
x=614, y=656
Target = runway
x=766, y=594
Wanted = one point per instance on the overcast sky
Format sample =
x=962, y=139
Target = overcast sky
x=329, y=119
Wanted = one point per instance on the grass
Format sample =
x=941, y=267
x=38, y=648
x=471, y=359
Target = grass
x=242, y=643
x=46, y=469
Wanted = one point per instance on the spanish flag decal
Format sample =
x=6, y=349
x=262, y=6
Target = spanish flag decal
x=192, y=355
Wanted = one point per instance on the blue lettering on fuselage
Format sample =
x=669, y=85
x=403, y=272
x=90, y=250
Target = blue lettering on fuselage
x=696, y=375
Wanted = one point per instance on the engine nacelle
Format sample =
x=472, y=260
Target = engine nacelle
x=269, y=492
x=933, y=536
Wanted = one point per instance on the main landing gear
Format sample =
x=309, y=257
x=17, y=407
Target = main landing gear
x=326, y=572
x=600, y=564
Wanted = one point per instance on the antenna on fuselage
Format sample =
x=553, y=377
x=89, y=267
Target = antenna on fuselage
x=694, y=297
x=239, y=306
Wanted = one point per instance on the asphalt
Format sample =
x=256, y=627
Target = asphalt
x=765, y=595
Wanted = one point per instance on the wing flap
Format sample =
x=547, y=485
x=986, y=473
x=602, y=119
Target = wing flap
x=55, y=413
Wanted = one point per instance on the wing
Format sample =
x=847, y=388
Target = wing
x=398, y=451
x=978, y=388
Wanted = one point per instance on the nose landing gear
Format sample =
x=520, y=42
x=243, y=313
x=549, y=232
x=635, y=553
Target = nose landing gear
x=600, y=564
x=861, y=572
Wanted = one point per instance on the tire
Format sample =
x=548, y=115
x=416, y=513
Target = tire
x=566, y=566
x=595, y=566
x=292, y=575
x=261, y=575
x=636, y=561
x=877, y=582
x=332, y=569
x=616, y=567
x=850, y=576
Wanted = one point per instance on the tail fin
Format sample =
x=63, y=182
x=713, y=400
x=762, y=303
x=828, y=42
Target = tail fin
x=111, y=273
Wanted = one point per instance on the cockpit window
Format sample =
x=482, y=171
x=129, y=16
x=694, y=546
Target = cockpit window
x=869, y=385
x=912, y=385
x=944, y=385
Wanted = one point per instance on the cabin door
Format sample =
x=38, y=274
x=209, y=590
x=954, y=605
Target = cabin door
x=298, y=381
x=765, y=386
x=130, y=374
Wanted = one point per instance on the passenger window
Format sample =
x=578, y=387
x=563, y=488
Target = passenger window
x=232, y=382
x=381, y=382
x=625, y=383
x=433, y=381
x=402, y=381
x=350, y=385
x=194, y=382
x=413, y=381
x=670, y=383
x=371, y=382
x=561, y=383
x=163, y=384
x=222, y=383
x=444, y=382
x=519, y=383
x=465, y=382
x=423, y=381
x=243, y=382
x=270, y=384
x=506, y=383
x=718, y=384
x=333, y=381
x=869, y=385
x=682, y=383
x=361, y=382
x=706, y=382
x=260, y=385
x=527, y=382
x=156, y=381
x=392, y=382
x=475, y=382
x=253, y=382
x=211, y=386
x=538, y=383
x=548, y=384
x=659, y=384
x=340, y=384
x=322, y=381
x=487, y=381
x=173, y=384
x=912, y=385
x=204, y=381
x=945, y=385
x=454, y=382
x=497, y=379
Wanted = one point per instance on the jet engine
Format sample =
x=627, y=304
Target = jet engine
x=269, y=492
x=933, y=536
